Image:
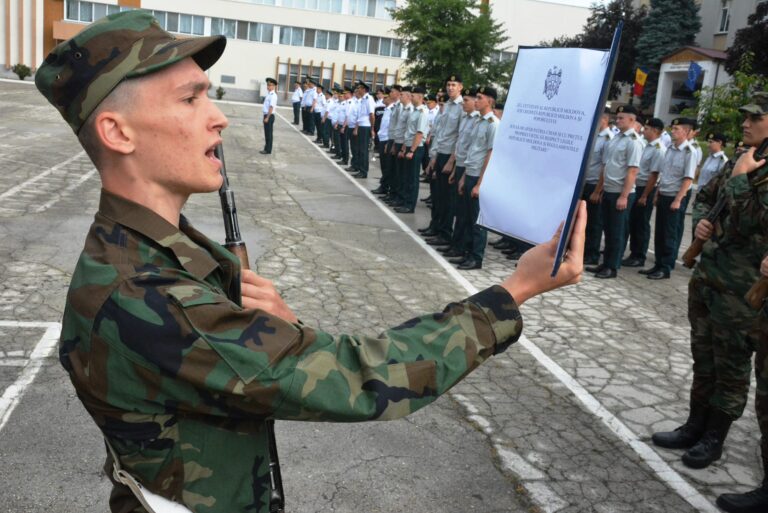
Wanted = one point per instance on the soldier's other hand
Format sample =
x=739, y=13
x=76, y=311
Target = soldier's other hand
x=476, y=191
x=675, y=206
x=621, y=203
x=642, y=201
x=260, y=294
x=704, y=230
x=461, y=186
x=451, y=178
x=354, y=132
x=764, y=267
x=448, y=169
x=532, y=276
x=595, y=197
x=747, y=163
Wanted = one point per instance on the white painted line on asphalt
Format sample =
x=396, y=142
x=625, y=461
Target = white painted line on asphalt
x=12, y=395
x=662, y=469
x=69, y=188
x=27, y=183
x=17, y=81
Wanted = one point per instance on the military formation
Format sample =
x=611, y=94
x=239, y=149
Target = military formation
x=180, y=354
x=174, y=348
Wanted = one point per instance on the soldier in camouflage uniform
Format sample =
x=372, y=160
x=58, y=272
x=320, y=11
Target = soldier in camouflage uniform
x=178, y=355
x=756, y=501
x=719, y=315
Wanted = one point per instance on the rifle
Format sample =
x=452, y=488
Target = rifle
x=694, y=250
x=235, y=244
x=757, y=294
x=759, y=291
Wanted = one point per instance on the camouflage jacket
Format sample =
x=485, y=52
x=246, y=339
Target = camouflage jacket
x=730, y=260
x=180, y=378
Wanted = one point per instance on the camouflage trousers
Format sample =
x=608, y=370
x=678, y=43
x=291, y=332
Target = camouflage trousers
x=721, y=347
x=761, y=375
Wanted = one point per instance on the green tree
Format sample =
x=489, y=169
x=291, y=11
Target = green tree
x=443, y=37
x=670, y=24
x=718, y=107
x=598, y=33
x=752, y=38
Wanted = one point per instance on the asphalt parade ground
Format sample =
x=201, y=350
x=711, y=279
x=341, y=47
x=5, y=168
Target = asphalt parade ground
x=561, y=422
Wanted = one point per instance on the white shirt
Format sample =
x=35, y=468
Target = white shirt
x=297, y=95
x=341, y=112
x=666, y=139
x=711, y=168
x=270, y=102
x=384, y=126
x=309, y=97
x=366, y=108
x=352, y=110
x=320, y=104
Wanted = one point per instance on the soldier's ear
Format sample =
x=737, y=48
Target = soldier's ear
x=114, y=132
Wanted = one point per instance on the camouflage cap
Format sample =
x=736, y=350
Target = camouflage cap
x=79, y=73
x=758, y=104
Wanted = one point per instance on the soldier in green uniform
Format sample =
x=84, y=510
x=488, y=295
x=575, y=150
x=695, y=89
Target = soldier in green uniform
x=756, y=501
x=615, y=189
x=178, y=354
x=678, y=168
x=720, y=317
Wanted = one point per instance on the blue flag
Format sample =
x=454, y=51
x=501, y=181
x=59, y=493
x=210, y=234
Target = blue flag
x=694, y=71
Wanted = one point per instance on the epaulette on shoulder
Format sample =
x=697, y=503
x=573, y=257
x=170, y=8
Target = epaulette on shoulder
x=657, y=144
x=724, y=157
x=688, y=148
x=633, y=135
x=491, y=120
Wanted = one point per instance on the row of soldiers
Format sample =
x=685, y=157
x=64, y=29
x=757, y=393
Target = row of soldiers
x=628, y=175
x=452, y=142
x=449, y=135
x=342, y=119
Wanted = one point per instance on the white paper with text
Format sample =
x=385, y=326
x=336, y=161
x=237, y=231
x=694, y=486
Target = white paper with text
x=528, y=187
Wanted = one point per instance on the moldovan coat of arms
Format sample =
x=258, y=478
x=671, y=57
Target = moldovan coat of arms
x=552, y=83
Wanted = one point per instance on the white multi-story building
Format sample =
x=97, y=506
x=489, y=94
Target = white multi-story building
x=335, y=40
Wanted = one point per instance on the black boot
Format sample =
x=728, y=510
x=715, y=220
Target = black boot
x=755, y=501
x=686, y=435
x=710, y=447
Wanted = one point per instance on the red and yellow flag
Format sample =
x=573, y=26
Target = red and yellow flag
x=640, y=76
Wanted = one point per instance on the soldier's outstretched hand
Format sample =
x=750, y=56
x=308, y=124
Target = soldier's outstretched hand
x=260, y=294
x=532, y=276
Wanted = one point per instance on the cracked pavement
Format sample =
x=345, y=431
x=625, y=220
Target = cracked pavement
x=512, y=437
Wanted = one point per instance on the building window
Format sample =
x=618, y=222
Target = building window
x=374, y=45
x=260, y=32
x=293, y=36
x=181, y=23
x=227, y=79
x=222, y=27
x=371, y=8
x=501, y=56
x=333, y=6
x=725, y=19
x=89, y=11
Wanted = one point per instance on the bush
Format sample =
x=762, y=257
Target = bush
x=220, y=92
x=718, y=107
x=22, y=70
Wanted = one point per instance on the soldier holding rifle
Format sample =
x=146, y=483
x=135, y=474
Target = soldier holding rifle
x=721, y=319
x=180, y=355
